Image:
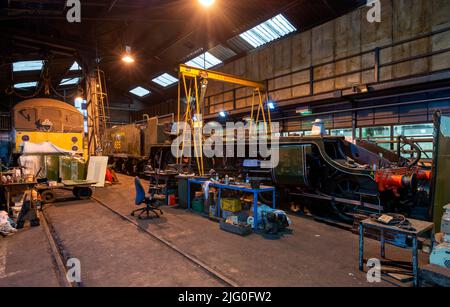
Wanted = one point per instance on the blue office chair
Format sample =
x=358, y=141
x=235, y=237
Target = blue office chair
x=151, y=203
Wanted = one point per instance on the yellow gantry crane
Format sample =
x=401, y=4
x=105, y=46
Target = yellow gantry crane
x=194, y=82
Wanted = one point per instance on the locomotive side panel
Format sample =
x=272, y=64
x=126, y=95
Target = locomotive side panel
x=48, y=115
x=124, y=140
x=154, y=134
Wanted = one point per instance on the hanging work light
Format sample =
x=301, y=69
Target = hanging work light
x=206, y=3
x=127, y=57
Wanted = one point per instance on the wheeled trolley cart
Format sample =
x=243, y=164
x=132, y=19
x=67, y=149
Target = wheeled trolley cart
x=81, y=189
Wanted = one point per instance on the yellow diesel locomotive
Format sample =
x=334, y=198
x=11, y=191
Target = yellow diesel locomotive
x=48, y=120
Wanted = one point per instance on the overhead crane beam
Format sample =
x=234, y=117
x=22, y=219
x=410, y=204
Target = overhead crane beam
x=194, y=72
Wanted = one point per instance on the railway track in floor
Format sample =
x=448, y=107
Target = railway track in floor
x=61, y=256
x=57, y=251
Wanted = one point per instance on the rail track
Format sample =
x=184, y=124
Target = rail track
x=61, y=256
x=58, y=254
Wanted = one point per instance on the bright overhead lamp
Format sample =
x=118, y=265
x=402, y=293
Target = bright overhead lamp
x=127, y=57
x=271, y=105
x=206, y=3
x=28, y=65
x=223, y=114
x=140, y=91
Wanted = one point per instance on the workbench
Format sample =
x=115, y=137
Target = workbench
x=420, y=228
x=234, y=187
x=9, y=187
x=28, y=212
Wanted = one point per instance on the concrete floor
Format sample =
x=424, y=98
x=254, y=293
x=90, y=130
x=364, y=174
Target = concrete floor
x=26, y=260
x=114, y=252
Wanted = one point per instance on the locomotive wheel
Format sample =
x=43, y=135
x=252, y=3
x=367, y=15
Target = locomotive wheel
x=348, y=189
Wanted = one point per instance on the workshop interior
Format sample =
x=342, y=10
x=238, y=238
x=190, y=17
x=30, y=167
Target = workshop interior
x=225, y=143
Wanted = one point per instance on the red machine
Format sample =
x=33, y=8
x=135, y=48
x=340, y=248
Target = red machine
x=395, y=179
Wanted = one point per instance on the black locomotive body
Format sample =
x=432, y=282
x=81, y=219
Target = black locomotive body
x=313, y=170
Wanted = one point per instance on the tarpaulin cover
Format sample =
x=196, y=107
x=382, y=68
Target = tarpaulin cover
x=43, y=148
x=38, y=156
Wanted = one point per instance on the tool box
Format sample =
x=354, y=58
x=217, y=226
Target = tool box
x=231, y=204
x=239, y=229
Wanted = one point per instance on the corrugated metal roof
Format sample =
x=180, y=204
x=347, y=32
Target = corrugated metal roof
x=240, y=45
x=223, y=53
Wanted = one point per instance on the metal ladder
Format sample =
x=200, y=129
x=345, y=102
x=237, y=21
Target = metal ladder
x=102, y=115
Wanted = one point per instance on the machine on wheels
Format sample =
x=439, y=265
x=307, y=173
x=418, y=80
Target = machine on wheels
x=81, y=189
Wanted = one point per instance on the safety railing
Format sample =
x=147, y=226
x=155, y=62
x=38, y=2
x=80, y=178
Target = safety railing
x=425, y=142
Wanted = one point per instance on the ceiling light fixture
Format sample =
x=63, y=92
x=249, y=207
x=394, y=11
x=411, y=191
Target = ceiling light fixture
x=206, y=3
x=271, y=105
x=127, y=57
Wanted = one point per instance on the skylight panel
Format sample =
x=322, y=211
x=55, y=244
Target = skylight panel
x=140, y=91
x=288, y=27
x=27, y=65
x=212, y=60
x=25, y=85
x=268, y=31
x=165, y=80
x=70, y=81
x=204, y=61
x=75, y=66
